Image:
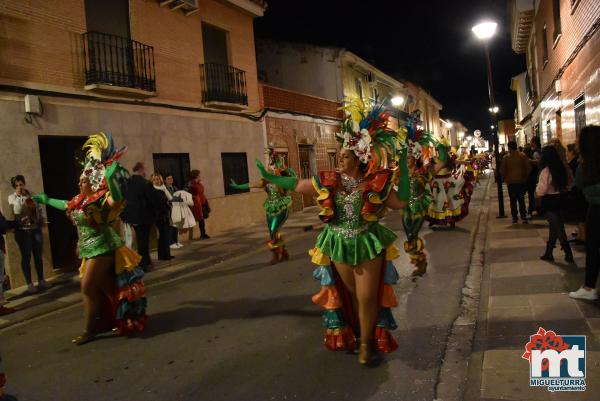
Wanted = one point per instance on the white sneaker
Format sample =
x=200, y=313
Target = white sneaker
x=44, y=285
x=174, y=246
x=31, y=289
x=582, y=293
x=179, y=245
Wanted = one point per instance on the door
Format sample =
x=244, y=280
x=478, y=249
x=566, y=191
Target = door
x=175, y=164
x=109, y=47
x=60, y=175
x=306, y=170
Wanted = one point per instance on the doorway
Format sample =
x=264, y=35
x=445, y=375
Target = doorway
x=61, y=158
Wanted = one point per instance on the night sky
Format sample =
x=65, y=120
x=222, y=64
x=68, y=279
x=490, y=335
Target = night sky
x=428, y=42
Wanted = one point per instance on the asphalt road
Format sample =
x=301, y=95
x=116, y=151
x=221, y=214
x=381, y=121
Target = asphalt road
x=244, y=330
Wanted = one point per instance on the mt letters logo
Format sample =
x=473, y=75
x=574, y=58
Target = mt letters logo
x=556, y=362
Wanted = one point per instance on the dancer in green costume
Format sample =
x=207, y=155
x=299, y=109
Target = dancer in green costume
x=277, y=205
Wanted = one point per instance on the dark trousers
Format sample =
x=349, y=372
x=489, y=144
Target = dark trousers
x=557, y=228
x=516, y=193
x=174, y=238
x=531, y=197
x=164, y=239
x=142, y=238
x=592, y=245
x=30, y=241
x=202, y=228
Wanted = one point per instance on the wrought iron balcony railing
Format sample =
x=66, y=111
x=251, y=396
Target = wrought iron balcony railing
x=117, y=61
x=223, y=83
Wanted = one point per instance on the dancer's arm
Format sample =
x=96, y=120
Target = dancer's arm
x=248, y=185
x=302, y=186
x=112, y=182
x=399, y=199
x=393, y=202
x=46, y=200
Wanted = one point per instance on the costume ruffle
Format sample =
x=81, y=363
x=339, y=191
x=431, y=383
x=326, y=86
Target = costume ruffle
x=338, y=318
x=128, y=304
x=352, y=250
x=448, y=199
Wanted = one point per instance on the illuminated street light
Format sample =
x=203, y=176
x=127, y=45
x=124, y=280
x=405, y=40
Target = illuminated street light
x=397, y=101
x=492, y=126
x=485, y=30
x=449, y=125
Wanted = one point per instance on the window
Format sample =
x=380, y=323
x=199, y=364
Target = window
x=579, y=114
x=545, y=43
x=548, y=130
x=557, y=30
x=358, y=86
x=175, y=164
x=332, y=159
x=235, y=167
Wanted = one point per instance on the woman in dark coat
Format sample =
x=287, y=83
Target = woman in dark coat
x=201, y=208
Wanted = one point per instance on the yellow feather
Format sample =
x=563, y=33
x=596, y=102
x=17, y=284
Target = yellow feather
x=94, y=146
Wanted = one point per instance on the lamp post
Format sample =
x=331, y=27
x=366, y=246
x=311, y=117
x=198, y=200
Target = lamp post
x=484, y=32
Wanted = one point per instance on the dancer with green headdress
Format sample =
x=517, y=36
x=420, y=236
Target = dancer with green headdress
x=354, y=252
x=111, y=280
x=277, y=205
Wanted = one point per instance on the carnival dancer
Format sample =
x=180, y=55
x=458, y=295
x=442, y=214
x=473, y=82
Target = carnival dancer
x=111, y=280
x=446, y=188
x=276, y=206
x=418, y=143
x=354, y=251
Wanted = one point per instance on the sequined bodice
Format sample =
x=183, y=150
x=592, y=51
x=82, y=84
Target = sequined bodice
x=94, y=239
x=348, y=220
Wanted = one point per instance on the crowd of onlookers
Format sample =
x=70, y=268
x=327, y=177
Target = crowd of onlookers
x=562, y=184
x=154, y=203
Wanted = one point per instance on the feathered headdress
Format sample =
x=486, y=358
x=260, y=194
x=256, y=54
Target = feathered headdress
x=415, y=139
x=100, y=152
x=365, y=131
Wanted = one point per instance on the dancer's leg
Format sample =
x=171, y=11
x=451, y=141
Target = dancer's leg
x=367, y=276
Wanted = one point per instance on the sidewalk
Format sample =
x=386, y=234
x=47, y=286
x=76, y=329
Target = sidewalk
x=519, y=294
x=193, y=256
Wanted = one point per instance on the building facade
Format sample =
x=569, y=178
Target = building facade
x=175, y=81
x=562, y=45
x=337, y=74
x=523, y=126
x=301, y=129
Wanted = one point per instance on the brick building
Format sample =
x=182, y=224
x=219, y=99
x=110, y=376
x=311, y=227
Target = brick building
x=302, y=130
x=562, y=45
x=337, y=74
x=176, y=81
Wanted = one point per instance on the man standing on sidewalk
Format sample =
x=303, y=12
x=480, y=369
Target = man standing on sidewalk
x=515, y=169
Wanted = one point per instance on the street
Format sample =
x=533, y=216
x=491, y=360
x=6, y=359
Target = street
x=244, y=330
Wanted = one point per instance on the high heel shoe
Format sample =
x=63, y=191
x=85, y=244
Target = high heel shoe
x=83, y=338
x=365, y=353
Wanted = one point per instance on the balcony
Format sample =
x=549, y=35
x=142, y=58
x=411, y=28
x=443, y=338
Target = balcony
x=115, y=65
x=223, y=86
x=522, y=15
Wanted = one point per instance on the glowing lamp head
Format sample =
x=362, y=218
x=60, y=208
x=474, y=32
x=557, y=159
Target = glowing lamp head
x=485, y=30
x=397, y=101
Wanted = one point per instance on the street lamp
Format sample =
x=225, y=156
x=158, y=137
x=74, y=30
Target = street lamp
x=449, y=125
x=484, y=31
x=397, y=101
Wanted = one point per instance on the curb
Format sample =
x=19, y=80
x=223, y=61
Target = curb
x=452, y=376
x=157, y=277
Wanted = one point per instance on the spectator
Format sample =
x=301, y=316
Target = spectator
x=140, y=211
x=536, y=148
x=28, y=217
x=554, y=181
x=515, y=169
x=174, y=240
x=560, y=148
x=201, y=208
x=163, y=216
x=572, y=158
x=588, y=180
x=3, y=227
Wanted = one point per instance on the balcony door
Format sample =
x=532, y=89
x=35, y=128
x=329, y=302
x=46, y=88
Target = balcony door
x=215, y=45
x=108, y=41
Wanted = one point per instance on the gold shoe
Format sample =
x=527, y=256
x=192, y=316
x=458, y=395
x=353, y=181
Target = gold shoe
x=85, y=337
x=365, y=353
